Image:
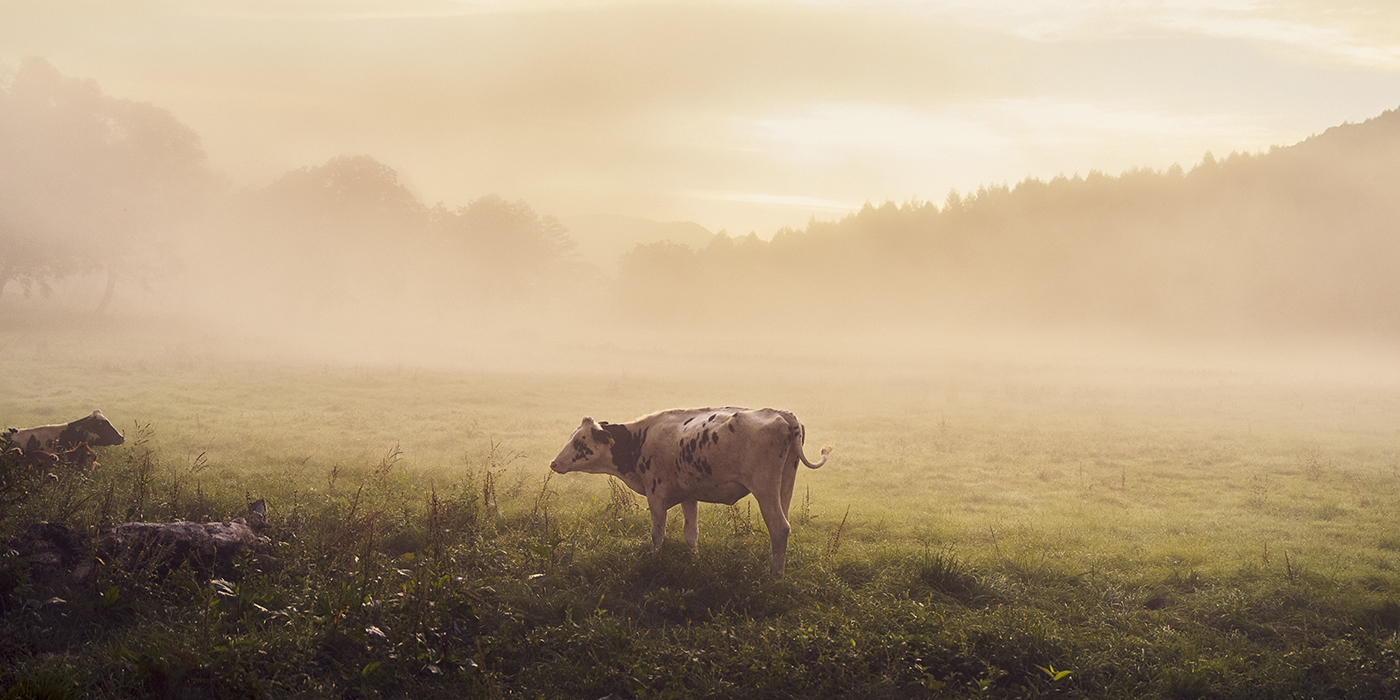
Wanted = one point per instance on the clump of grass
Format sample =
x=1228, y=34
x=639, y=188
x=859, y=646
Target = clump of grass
x=1330, y=511
x=139, y=465
x=944, y=572
x=386, y=465
x=16, y=476
x=621, y=502
x=740, y=519
x=488, y=490
x=540, y=511
x=833, y=542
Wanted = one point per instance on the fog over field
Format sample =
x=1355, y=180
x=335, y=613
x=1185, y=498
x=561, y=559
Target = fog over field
x=492, y=184
x=1096, y=302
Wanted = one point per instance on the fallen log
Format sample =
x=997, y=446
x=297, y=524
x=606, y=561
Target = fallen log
x=56, y=553
x=167, y=545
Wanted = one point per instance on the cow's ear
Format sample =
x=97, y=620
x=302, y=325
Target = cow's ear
x=603, y=437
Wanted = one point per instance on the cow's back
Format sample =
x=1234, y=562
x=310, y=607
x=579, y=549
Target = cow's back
x=44, y=437
x=715, y=455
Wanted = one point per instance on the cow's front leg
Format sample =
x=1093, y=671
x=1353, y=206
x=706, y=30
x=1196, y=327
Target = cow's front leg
x=658, y=526
x=692, y=525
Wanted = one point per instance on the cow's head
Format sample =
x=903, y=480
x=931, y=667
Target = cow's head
x=589, y=450
x=95, y=430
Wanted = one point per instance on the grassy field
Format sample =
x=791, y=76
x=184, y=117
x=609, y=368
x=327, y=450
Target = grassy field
x=984, y=529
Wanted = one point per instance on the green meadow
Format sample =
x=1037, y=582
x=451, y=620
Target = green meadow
x=985, y=528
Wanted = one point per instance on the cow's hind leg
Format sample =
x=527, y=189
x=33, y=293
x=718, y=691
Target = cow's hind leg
x=692, y=524
x=789, y=480
x=778, y=530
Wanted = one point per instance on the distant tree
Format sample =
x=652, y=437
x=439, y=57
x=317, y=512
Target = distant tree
x=348, y=238
x=88, y=182
x=348, y=195
x=661, y=282
x=334, y=236
x=28, y=257
x=507, y=251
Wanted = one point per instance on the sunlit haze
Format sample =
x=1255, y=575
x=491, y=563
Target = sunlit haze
x=742, y=116
x=534, y=184
x=417, y=317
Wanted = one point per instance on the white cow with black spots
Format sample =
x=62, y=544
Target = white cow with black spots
x=686, y=455
x=95, y=430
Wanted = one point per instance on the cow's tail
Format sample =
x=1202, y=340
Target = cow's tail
x=825, y=451
x=799, y=436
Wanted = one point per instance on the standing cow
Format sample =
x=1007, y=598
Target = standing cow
x=95, y=430
x=682, y=456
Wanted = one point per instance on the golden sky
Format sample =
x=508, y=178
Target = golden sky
x=744, y=116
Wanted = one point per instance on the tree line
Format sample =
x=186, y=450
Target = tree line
x=92, y=185
x=1296, y=239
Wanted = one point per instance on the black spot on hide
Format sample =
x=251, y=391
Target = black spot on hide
x=690, y=452
x=627, y=448
x=731, y=427
x=72, y=435
x=581, y=450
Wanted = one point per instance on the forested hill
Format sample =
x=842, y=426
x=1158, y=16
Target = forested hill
x=1301, y=239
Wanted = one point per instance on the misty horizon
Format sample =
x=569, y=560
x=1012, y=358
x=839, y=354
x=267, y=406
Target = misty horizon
x=1093, y=305
x=745, y=117
x=350, y=234
x=1139, y=224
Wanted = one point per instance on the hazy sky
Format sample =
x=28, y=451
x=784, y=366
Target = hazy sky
x=737, y=115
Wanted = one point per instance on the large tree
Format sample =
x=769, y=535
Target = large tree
x=342, y=237
x=89, y=183
x=347, y=241
x=505, y=251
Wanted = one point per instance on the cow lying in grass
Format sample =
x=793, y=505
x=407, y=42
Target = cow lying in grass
x=64, y=443
x=683, y=456
x=95, y=430
x=37, y=460
x=81, y=457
